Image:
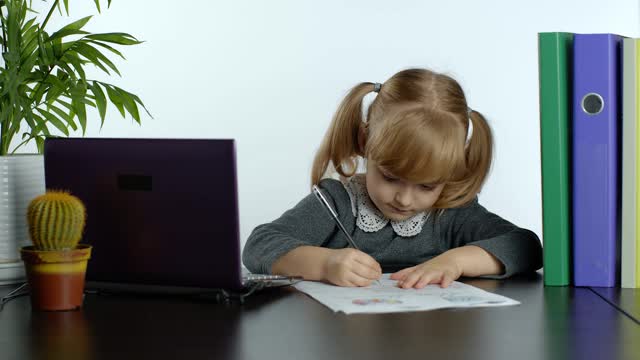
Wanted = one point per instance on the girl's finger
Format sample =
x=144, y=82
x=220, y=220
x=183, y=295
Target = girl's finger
x=365, y=272
x=400, y=275
x=349, y=282
x=410, y=280
x=367, y=260
x=359, y=281
x=447, y=279
x=428, y=278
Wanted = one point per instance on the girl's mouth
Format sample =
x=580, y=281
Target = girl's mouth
x=399, y=211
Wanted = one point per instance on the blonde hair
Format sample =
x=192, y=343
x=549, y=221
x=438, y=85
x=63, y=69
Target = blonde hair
x=416, y=129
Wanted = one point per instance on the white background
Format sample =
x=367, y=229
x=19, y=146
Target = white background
x=271, y=73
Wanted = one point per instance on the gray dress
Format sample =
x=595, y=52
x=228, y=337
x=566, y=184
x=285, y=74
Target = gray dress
x=308, y=223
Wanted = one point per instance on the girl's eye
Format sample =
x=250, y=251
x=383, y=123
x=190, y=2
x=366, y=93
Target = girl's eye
x=387, y=177
x=427, y=187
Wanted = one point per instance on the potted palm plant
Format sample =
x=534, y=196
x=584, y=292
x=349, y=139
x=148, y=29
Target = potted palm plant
x=45, y=91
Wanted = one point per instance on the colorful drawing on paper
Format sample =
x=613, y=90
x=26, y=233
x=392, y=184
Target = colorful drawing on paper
x=376, y=301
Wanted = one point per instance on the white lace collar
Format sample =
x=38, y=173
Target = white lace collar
x=370, y=219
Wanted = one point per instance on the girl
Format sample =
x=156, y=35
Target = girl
x=426, y=155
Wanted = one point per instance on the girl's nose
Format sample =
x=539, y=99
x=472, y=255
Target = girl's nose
x=403, y=196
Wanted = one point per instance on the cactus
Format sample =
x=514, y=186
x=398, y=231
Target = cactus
x=56, y=220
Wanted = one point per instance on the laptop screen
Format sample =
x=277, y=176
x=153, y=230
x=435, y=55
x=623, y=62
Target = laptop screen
x=159, y=211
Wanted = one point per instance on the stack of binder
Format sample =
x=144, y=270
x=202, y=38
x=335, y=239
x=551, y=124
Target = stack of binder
x=589, y=100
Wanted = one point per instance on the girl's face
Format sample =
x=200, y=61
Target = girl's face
x=397, y=198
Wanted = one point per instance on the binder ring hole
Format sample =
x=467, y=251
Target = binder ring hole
x=592, y=104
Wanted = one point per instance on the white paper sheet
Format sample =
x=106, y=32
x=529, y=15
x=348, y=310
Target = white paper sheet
x=387, y=297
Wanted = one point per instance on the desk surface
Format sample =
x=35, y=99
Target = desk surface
x=626, y=300
x=551, y=323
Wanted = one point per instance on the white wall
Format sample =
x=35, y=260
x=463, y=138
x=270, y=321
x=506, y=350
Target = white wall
x=270, y=74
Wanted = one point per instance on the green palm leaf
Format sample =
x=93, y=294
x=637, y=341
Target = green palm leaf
x=72, y=29
x=101, y=100
x=43, y=82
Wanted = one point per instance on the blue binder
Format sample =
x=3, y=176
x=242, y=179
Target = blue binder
x=596, y=160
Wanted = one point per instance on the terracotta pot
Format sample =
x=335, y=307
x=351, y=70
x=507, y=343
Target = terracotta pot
x=56, y=278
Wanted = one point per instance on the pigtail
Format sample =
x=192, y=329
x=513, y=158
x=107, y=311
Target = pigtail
x=340, y=144
x=479, y=154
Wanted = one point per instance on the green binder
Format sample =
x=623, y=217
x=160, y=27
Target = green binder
x=554, y=56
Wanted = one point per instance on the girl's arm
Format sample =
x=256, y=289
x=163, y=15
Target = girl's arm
x=306, y=261
x=303, y=225
x=518, y=250
x=481, y=244
x=475, y=261
x=297, y=243
x=469, y=260
x=344, y=267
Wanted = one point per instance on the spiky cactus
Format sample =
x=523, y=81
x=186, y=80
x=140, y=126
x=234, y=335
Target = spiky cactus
x=56, y=220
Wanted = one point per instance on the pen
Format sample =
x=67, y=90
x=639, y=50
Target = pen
x=334, y=215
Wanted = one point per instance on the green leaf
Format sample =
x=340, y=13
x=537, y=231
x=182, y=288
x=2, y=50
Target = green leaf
x=29, y=38
x=79, y=91
x=29, y=62
x=115, y=98
x=53, y=94
x=12, y=26
x=39, y=92
x=54, y=120
x=71, y=29
x=113, y=50
x=17, y=114
x=101, y=101
x=43, y=78
x=100, y=56
x=39, y=125
x=133, y=96
x=63, y=115
x=30, y=43
x=71, y=113
x=56, y=46
x=115, y=38
x=40, y=143
x=64, y=74
x=137, y=99
x=28, y=25
x=77, y=64
x=95, y=56
x=129, y=103
x=45, y=59
x=57, y=82
x=42, y=125
x=65, y=104
x=81, y=112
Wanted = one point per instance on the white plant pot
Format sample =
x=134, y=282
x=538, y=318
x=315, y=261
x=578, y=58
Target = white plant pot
x=21, y=179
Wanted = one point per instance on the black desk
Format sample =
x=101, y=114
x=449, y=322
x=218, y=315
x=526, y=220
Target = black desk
x=626, y=300
x=552, y=323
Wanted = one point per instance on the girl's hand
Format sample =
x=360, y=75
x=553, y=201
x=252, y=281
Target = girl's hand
x=351, y=267
x=442, y=269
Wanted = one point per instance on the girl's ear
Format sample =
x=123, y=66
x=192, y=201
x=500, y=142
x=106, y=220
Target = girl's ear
x=363, y=133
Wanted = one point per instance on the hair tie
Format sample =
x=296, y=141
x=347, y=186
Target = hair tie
x=376, y=87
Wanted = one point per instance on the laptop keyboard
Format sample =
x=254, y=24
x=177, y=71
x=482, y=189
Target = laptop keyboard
x=263, y=277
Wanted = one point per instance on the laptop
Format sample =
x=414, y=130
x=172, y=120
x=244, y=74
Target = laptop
x=162, y=214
